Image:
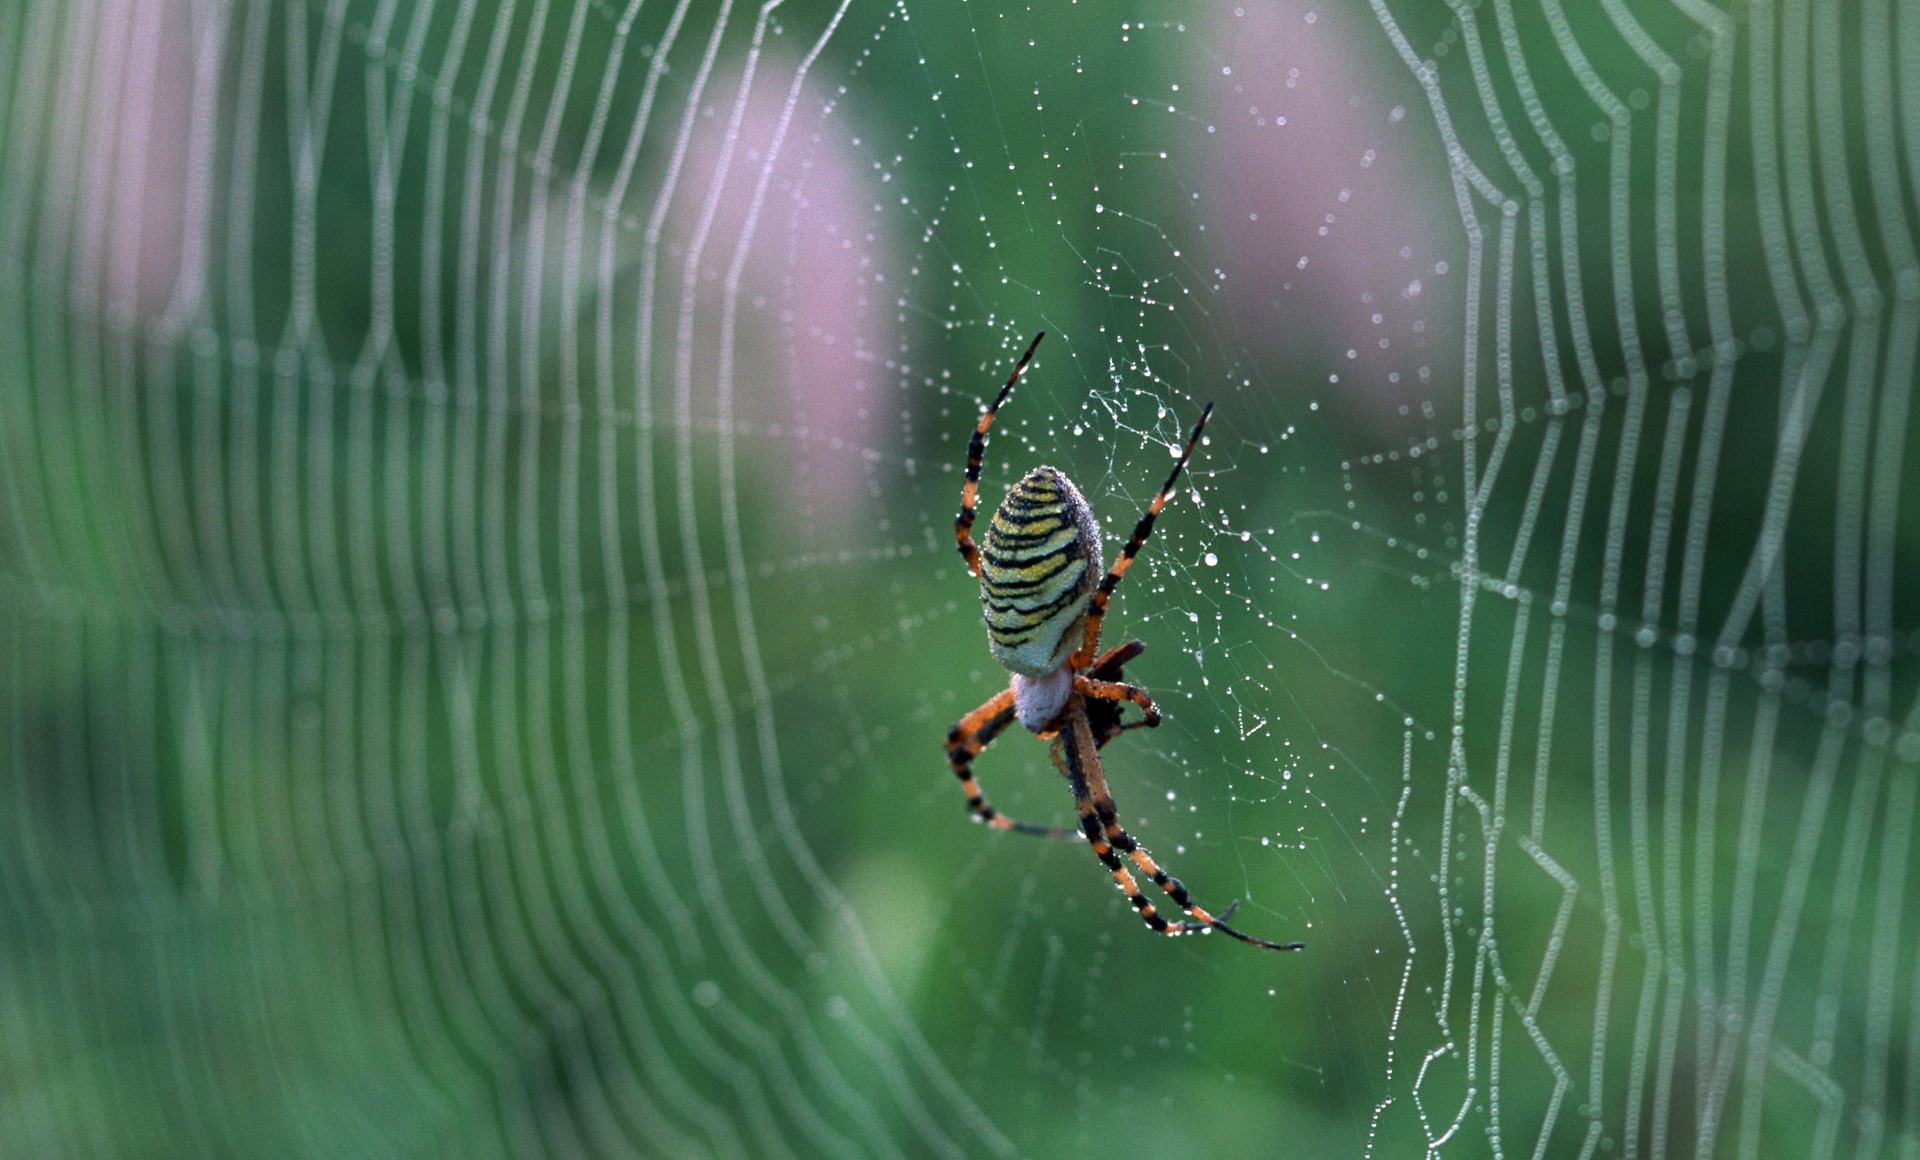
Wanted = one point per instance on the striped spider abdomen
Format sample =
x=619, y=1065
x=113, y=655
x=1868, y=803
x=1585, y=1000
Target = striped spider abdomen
x=1040, y=559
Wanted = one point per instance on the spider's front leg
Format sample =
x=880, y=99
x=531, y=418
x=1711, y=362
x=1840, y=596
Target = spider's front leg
x=1104, y=715
x=1117, y=691
x=965, y=740
x=1100, y=821
x=1067, y=755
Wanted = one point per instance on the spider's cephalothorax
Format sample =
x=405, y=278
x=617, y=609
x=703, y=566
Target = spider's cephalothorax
x=1043, y=609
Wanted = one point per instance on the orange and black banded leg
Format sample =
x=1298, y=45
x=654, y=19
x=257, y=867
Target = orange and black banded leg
x=1103, y=595
x=1108, y=667
x=1119, y=691
x=1097, y=812
x=976, y=451
x=1068, y=756
x=1104, y=716
x=965, y=740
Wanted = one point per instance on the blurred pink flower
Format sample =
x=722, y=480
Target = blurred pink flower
x=1330, y=211
x=814, y=319
x=119, y=210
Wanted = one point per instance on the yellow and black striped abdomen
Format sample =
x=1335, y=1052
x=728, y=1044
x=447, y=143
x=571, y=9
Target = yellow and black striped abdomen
x=1039, y=562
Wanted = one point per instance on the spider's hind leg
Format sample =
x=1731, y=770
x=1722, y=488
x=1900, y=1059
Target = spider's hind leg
x=1103, y=592
x=976, y=451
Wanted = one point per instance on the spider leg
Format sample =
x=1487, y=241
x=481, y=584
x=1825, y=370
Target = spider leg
x=1107, y=668
x=1097, y=607
x=1118, y=691
x=1100, y=821
x=976, y=451
x=1092, y=830
x=965, y=740
x=1104, y=716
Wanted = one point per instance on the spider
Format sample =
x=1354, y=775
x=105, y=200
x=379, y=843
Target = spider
x=1043, y=611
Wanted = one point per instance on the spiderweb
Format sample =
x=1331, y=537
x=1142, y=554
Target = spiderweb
x=480, y=611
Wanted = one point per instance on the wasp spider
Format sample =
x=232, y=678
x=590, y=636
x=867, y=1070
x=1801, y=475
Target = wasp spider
x=1043, y=607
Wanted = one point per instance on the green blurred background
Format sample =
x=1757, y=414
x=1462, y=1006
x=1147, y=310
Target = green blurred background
x=477, y=580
